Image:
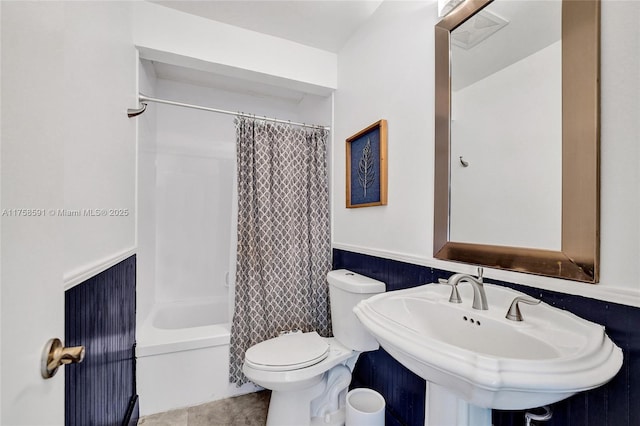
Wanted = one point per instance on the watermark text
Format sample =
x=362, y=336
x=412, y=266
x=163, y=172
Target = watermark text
x=88, y=212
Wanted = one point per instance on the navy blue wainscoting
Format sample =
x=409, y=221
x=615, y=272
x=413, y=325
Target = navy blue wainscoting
x=614, y=404
x=100, y=314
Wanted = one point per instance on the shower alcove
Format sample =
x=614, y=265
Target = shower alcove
x=186, y=226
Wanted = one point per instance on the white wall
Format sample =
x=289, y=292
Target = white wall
x=620, y=150
x=485, y=207
x=386, y=71
x=146, y=207
x=99, y=150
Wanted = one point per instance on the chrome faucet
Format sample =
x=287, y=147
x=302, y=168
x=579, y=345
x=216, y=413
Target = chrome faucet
x=479, y=295
x=514, y=313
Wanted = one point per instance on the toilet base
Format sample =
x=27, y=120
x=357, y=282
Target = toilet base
x=337, y=418
x=293, y=408
x=286, y=409
x=319, y=404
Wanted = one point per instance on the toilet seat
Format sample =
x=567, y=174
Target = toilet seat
x=288, y=352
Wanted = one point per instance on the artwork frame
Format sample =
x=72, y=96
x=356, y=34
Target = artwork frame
x=366, y=167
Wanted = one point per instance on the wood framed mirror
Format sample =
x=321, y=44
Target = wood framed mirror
x=577, y=257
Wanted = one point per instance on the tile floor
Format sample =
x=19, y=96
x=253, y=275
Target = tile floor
x=245, y=410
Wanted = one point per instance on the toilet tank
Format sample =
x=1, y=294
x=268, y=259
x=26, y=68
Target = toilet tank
x=346, y=289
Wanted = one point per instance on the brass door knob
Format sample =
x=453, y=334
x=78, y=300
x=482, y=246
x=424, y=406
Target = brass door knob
x=55, y=355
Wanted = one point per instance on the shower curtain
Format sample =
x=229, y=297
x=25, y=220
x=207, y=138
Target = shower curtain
x=284, y=248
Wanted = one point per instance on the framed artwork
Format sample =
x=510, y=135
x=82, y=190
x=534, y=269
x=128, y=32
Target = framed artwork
x=367, y=167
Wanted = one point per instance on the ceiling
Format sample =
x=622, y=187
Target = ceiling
x=325, y=24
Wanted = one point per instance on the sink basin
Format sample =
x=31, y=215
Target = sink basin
x=484, y=358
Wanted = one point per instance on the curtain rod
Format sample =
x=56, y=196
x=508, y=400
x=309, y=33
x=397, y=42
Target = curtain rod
x=133, y=112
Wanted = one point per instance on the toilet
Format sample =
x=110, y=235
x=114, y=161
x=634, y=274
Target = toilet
x=308, y=374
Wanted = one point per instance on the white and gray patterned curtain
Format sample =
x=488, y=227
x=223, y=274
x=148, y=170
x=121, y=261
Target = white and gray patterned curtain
x=284, y=248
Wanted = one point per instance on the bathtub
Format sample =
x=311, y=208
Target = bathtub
x=183, y=356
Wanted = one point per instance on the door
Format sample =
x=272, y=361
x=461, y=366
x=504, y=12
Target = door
x=67, y=78
x=31, y=191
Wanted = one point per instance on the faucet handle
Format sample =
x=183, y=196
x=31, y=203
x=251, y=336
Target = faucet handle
x=480, y=272
x=455, y=296
x=514, y=313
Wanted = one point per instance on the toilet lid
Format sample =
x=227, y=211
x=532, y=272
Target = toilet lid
x=288, y=352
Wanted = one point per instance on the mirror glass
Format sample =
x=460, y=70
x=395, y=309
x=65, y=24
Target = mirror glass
x=506, y=120
x=517, y=136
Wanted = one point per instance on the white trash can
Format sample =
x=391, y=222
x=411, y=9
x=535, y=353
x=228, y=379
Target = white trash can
x=365, y=407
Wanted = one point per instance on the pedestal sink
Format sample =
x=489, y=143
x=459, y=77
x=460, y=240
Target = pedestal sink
x=485, y=358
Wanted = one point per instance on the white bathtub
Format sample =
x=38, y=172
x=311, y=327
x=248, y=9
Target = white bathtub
x=183, y=356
